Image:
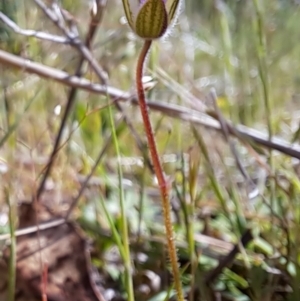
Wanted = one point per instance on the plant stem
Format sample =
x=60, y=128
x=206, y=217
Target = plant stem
x=163, y=185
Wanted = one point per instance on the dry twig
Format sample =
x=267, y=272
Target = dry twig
x=172, y=110
x=33, y=33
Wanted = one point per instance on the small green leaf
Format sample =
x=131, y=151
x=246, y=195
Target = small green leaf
x=152, y=20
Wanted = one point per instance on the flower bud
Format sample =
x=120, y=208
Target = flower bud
x=150, y=19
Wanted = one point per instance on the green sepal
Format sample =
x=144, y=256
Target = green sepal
x=172, y=9
x=128, y=13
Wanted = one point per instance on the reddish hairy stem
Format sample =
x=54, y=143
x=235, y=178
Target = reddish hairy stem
x=163, y=185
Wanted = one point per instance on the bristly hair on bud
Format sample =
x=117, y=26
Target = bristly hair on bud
x=150, y=19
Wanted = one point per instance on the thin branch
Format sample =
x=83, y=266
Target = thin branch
x=73, y=35
x=33, y=33
x=227, y=260
x=85, y=55
x=228, y=139
x=34, y=229
x=171, y=110
x=48, y=72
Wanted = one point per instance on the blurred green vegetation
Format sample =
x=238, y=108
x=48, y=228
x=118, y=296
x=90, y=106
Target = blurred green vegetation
x=215, y=44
